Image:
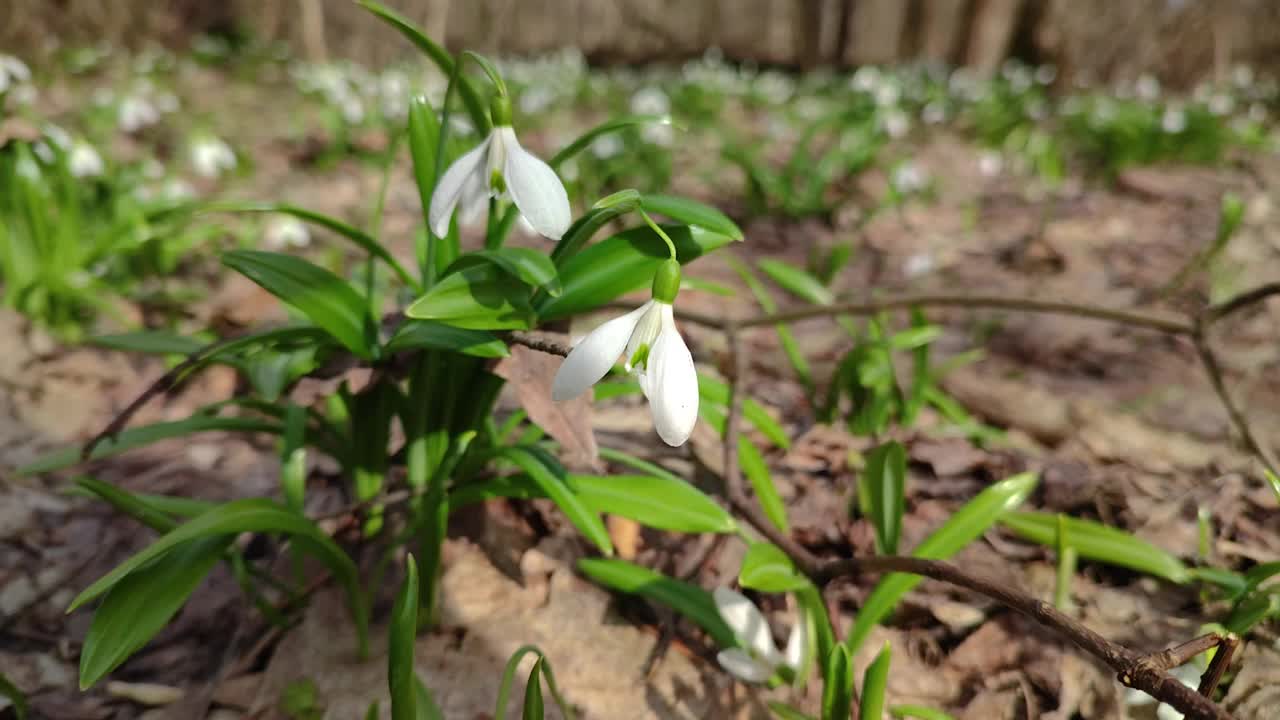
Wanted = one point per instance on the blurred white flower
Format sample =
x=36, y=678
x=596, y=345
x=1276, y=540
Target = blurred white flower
x=758, y=658
x=1221, y=104
x=24, y=94
x=167, y=102
x=26, y=167
x=990, y=163
x=211, y=156
x=1242, y=76
x=56, y=135
x=888, y=92
x=135, y=113
x=393, y=89
x=660, y=134
x=1037, y=109
x=908, y=178
x=1046, y=74
x=177, y=189
x=84, y=161
x=13, y=72
x=650, y=101
x=535, y=99
x=933, y=113
x=1174, y=120
x=1257, y=113
x=606, y=146
x=1147, y=88
x=352, y=110
x=896, y=123
x=284, y=232
x=917, y=264
x=865, y=79
x=44, y=152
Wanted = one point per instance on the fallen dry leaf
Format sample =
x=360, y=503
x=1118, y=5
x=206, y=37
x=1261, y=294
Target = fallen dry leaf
x=531, y=372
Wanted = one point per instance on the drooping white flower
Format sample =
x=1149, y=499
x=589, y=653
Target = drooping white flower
x=211, y=156
x=135, y=113
x=13, y=72
x=1174, y=120
x=758, y=659
x=650, y=101
x=499, y=167
x=286, y=231
x=84, y=161
x=654, y=351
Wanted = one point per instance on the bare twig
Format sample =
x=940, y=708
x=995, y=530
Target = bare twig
x=1245, y=299
x=1218, y=665
x=1181, y=654
x=1209, y=359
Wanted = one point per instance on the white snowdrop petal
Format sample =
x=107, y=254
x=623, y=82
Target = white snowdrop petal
x=535, y=188
x=591, y=359
x=742, y=666
x=673, y=384
x=797, y=644
x=455, y=180
x=747, y=624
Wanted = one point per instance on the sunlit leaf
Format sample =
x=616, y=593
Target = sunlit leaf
x=885, y=483
x=756, y=470
x=532, y=709
x=768, y=569
x=612, y=125
x=1099, y=542
x=797, y=282
x=479, y=297
x=403, y=635
x=155, y=342
x=874, y=680
x=692, y=212
x=430, y=335
x=550, y=479
x=531, y=267
x=653, y=500
x=837, y=687
x=919, y=712
x=689, y=600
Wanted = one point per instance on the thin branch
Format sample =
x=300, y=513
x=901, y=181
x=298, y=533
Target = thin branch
x=541, y=341
x=1245, y=299
x=1218, y=665
x=1209, y=359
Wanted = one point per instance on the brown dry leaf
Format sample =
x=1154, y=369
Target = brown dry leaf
x=1255, y=692
x=951, y=456
x=530, y=372
x=1115, y=436
x=625, y=534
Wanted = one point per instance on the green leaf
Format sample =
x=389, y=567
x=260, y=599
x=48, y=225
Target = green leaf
x=426, y=704
x=620, y=264
x=145, y=435
x=404, y=633
x=531, y=267
x=1274, y=481
x=586, y=226
x=962, y=528
x=786, y=338
x=533, y=693
x=509, y=675
x=874, y=680
x=919, y=712
x=1252, y=610
x=129, y=504
x=358, y=237
x=786, y=712
x=1260, y=573
x=429, y=335
x=249, y=515
x=154, y=342
x=653, y=500
x=837, y=687
x=19, y=700
x=1101, y=543
x=689, y=600
x=757, y=473
x=885, y=479
x=797, y=282
x=768, y=569
x=609, y=126
x=142, y=602
x=550, y=479
x=692, y=212
x=713, y=390
x=480, y=297
x=438, y=55
x=326, y=299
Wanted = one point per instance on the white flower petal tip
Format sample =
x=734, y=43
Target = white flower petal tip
x=463, y=178
x=739, y=664
x=672, y=383
x=747, y=624
x=591, y=359
x=535, y=188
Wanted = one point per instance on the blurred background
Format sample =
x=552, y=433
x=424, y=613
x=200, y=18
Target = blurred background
x=1179, y=41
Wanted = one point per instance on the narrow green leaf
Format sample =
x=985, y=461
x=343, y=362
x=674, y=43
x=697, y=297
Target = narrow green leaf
x=248, y=515
x=1274, y=481
x=326, y=299
x=428, y=708
x=797, y=282
x=874, y=680
x=551, y=481
x=1260, y=573
x=919, y=712
x=586, y=226
x=430, y=335
x=692, y=212
x=885, y=479
x=154, y=342
x=358, y=237
x=401, y=679
x=1101, y=543
x=509, y=675
x=1252, y=610
x=609, y=126
x=689, y=600
x=479, y=297
x=790, y=346
x=757, y=473
x=653, y=500
x=142, y=602
x=531, y=267
x=438, y=55
x=837, y=687
x=634, y=462
x=129, y=504
x=293, y=457
x=424, y=141
x=145, y=435
x=20, y=707
x=533, y=693
x=768, y=569
x=962, y=528
x=620, y=264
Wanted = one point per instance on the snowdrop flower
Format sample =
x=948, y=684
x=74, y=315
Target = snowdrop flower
x=896, y=123
x=135, y=113
x=13, y=72
x=286, y=231
x=43, y=152
x=865, y=79
x=759, y=659
x=84, y=161
x=1147, y=88
x=498, y=167
x=659, y=134
x=1221, y=104
x=990, y=164
x=210, y=156
x=1174, y=120
x=909, y=178
x=1242, y=76
x=649, y=340
x=535, y=100
x=606, y=146
x=1046, y=74
x=933, y=113
x=650, y=101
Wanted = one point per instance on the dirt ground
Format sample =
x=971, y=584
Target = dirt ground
x=1122, y=424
